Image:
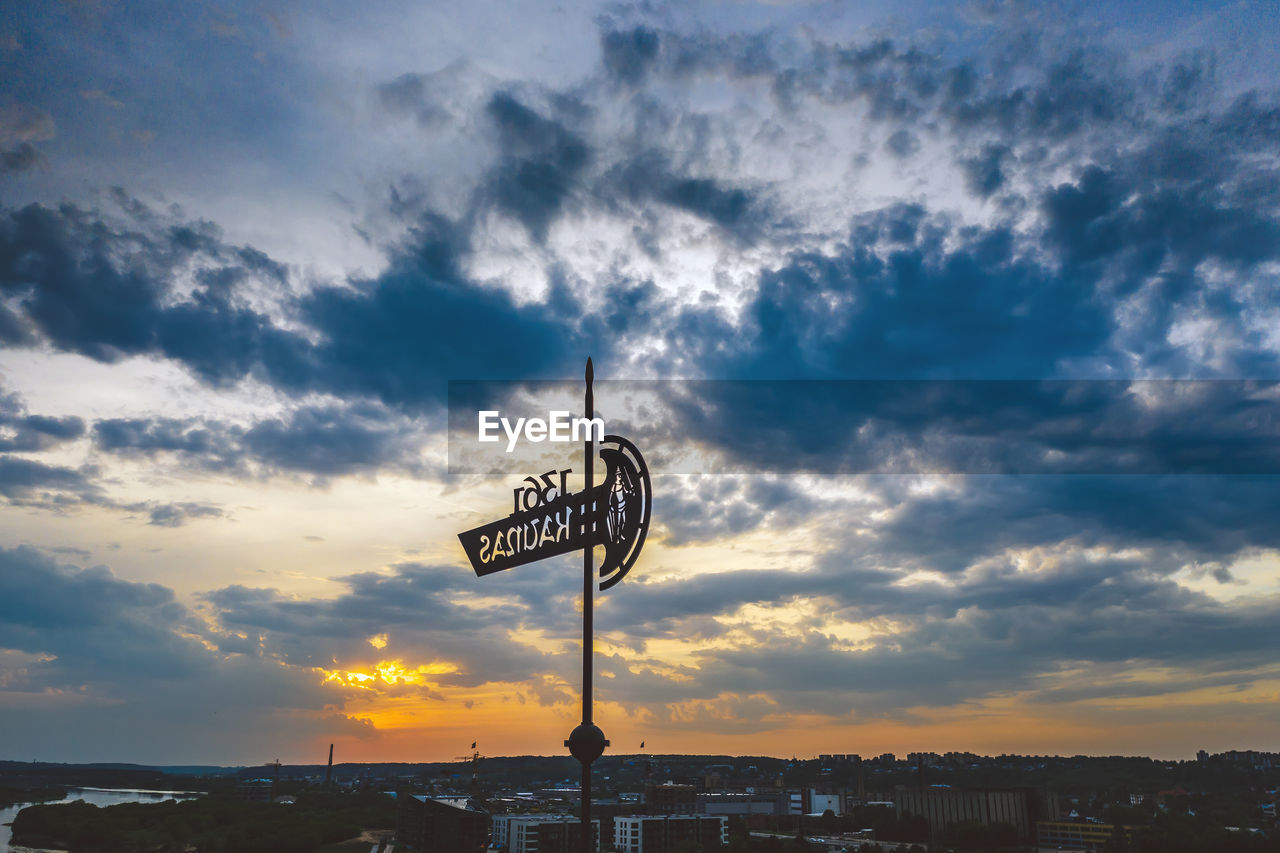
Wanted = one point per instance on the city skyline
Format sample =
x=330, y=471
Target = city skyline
x=245, y=248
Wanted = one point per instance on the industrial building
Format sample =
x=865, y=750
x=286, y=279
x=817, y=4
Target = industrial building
x=1021, y=808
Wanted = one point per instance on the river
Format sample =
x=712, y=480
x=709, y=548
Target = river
x=97, y=796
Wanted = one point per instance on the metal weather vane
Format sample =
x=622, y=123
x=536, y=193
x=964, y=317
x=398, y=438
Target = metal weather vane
x=546, y=521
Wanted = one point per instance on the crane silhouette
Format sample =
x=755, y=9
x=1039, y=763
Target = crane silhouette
x=474, y=758
x=275, y=774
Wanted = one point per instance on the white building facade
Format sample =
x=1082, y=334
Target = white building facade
x=540, y=833
x=661, y=833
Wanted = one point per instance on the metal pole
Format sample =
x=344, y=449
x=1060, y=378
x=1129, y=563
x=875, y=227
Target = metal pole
x=588, y=615
x=586, y=743
x=588, y=570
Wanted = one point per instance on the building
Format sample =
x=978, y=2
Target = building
x=541, y=833
x=670, y=799
x=664, y=833
x=1257, y=760
x=740, y=805
x=797, y=801
x=821, y=802
x=606, y=811
x=1021, y=808
x=441, y=825
x=698, y=783
x=1078, y=835
x=255, y=790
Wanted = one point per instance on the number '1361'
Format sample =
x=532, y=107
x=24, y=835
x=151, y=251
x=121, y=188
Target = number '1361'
x=541, y=491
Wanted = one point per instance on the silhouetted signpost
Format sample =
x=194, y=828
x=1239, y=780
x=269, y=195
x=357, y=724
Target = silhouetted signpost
x=546, y=521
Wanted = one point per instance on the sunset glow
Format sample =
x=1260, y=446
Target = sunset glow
x=948, y=333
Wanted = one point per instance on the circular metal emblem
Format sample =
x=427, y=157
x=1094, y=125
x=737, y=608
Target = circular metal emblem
x=629, y=498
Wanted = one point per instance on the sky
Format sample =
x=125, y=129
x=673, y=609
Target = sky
x=950, y=332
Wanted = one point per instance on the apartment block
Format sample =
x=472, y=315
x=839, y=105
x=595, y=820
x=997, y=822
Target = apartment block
x=663, y=833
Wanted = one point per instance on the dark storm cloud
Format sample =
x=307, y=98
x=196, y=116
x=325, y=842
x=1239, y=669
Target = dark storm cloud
x=908, y=292
x=14, y=330
x=130, y=656
x=23, y=432
x=100, y=629
x=841, y=427
x=400, y=336
x=1196, y=518
x=1166, y=178
x=907, y=288
x=1076, y=91
x=981, y=308
x=28, y=482
x=979, y=426
x=176, y=514
x=106, y=291
x=423, y=96
x=20, y=159
x=541, y=164
x=324, y=441
x=628, y=55
x=910, y=295
x=549, y=164
x=903, y=143
x=1098, y=219
x=332, y=441
x=714, y=508
x=916, y=310
x=648, y=178
x=862, y=547
x=1026, y=85
x=983, y=171
x=1250, y=124
x=142, y=436
x=735, y=55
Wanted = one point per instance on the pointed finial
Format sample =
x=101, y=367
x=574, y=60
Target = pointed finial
x=590, y=371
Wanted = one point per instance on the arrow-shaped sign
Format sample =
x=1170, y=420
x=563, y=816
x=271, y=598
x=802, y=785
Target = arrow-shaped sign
x=617, y=512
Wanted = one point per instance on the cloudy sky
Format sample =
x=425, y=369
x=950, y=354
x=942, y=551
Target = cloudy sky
x=245, y=246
